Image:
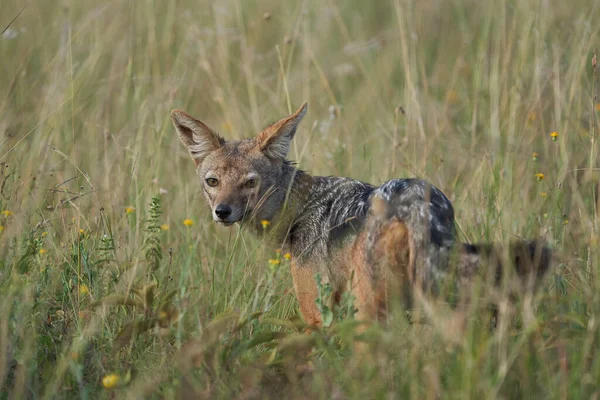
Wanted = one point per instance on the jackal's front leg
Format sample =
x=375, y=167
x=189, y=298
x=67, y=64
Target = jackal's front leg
x=306, y=292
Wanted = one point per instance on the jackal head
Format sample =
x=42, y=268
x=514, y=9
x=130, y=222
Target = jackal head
x=240, y=179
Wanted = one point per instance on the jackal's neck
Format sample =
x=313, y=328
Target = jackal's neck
x=286, y=202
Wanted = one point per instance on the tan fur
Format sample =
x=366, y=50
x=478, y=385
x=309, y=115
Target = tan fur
x=198, y=138
x=234, y=163
x=275, y=140
x=306, y=292
x=367, y=248
x=374, y=282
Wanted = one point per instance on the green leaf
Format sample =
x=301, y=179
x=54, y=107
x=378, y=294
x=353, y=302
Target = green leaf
x=327, y=315
x=149, y=295
x=244, y=321
x=299, y=324
x=295, y=344
x=264, y=337
x=293, y=323
x=279, y=322
x=217, y=327
x=167, y=300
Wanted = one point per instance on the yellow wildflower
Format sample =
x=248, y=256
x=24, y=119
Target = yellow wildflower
x=6, y=213
x=81, y=231
x=188, y=222
x=42, y=251
x=164, y=227
x=265, y=223
x=534, y=156
x=539, y=176
x=1, y=228
x=565, y=222
x=544, y=194
x=129, y=209
x=287, y=256
x=274, y=261
x=110, y=381
x=554, y=136
x=84, y=289
x=44, y=233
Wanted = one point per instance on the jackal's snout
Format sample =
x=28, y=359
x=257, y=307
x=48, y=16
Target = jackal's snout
x=227, y=214
x=222, y=211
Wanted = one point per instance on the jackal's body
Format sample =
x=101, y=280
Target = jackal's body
x=335, y=210
x=359, y=237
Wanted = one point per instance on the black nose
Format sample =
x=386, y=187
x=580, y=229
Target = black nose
x=223, y=211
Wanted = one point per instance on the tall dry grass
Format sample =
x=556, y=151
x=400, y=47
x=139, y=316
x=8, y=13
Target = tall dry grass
x=461, y=93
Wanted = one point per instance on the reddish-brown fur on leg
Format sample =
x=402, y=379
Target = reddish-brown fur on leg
x=307, y=293
x=381, y=268
x=362, y=281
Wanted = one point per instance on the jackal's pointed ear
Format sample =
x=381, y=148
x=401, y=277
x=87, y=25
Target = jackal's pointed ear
x=199, y=139
x=275, y=141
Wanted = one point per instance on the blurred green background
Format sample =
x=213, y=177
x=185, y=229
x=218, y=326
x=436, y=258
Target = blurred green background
x=463, y=93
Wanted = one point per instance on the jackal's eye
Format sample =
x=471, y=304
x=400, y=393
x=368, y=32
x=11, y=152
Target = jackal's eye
x=212, y=182
x=250, y=183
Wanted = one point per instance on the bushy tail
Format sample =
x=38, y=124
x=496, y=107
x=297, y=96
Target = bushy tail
x=434, y=253
x=529, y=259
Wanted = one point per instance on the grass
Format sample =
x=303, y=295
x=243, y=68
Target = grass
x=95, y=188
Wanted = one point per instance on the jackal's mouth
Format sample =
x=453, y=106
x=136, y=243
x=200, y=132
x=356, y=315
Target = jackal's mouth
x=226, y=223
